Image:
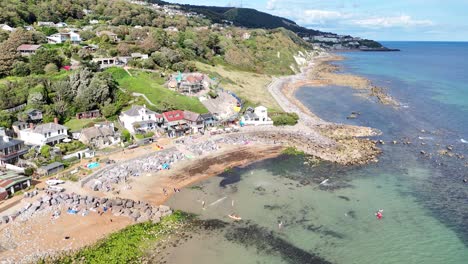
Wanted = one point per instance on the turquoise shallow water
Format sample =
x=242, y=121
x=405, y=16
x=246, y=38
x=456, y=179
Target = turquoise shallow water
x=424, y=200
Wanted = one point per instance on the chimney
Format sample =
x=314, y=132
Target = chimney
x=31, y=125
x=55, y=120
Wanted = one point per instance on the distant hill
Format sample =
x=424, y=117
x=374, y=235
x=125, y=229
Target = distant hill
x=251, y=18
x=245, y=17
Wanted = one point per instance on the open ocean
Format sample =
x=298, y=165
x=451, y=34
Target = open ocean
x=425, y=201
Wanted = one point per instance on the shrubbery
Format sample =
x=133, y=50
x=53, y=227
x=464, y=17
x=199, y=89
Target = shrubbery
x=284, y=119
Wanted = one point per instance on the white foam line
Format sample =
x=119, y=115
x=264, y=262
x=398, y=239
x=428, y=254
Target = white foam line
x=218, y=201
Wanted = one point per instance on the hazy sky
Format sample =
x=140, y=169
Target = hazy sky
x=375, y=19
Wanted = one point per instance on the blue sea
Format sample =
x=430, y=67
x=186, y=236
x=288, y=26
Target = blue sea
x=418, y=185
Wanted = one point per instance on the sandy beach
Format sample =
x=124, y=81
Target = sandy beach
x=208, y=156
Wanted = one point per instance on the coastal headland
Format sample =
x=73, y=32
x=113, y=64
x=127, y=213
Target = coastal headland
x=137, y=176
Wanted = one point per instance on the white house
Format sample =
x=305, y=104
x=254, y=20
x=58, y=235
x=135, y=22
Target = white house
x=49, y=133
x=139, y=118
x=257, y=117
x=60, y=38
x=6, y=27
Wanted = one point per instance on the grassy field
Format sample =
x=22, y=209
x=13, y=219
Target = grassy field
x=151, y=85
x=77, y=124
x=248, y=85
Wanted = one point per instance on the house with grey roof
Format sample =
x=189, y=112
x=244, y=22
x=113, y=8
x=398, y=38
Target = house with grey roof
x=194, y=120
x=99, y=136
x=49, y=133
x=11, y=182
x=34, y=115
x=11, y=150
x=51, y=168
x=139, y=118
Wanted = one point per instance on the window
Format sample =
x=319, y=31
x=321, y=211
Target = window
x=49, y=134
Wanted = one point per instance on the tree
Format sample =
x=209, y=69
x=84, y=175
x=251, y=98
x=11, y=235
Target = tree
x=45, y=151
x=6, y=119
x=87, y=34
x=126, y=135
x=43, y=57
x=20, y=68
x=48, y=30
x=50, y=68
x=99, y=91
x=109, y=109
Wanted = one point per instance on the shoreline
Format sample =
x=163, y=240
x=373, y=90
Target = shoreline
x=344, y=144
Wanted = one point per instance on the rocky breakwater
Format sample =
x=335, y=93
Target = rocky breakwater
x=336, y=143
x=55, y=203
x=121, y=173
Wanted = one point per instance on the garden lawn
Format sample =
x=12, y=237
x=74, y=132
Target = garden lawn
x=78, y=124
x=152, y=86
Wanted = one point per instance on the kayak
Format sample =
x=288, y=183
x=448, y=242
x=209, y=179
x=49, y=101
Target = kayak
x=236, y=218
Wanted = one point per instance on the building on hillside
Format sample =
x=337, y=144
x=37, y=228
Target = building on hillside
x=112, y=36
x=49, y=133
x=209, y=120
x=11, y=182
x=139, y=119
x=28, y=49
x=99, y=136
x=51, y=169
x=189, y=83
x=256, y=117
x=139, y=56
x=18, y=126
x=45, y=24
x=11, y=150
x=33, y=115
x=61, y=25
x=195, y=121
x=60, y=38
x=171, y=29
x=108, y=62
x=6, y=27
x=88, y=114
x=93, y=22
x=175, y=123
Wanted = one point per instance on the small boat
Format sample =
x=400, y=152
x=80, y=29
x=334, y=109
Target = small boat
x=235, y=217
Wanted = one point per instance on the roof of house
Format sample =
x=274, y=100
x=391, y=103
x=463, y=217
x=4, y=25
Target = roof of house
x=135, y=111
x=95, y=132
x=8, y=179
x=28, y=47
x=29, y=111
x=207, y=116
x=191, y=116
x=52, y=166
x=10, y=142
x=48, y=127
x=175, y=115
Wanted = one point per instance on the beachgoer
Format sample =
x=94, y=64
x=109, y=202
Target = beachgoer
x=379, y=215
x=203, y=204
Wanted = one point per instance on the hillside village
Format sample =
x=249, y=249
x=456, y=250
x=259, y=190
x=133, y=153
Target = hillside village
x=77, y=89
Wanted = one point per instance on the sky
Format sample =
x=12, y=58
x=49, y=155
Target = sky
x=416, y=20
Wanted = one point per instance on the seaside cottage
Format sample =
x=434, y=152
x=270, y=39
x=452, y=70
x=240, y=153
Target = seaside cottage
x=49, y=133
x=175, y=123
x=256, y=117
x=99, y=137
x=195, y=121
x=6, y=27
x=139, y=119
x=11, y=182
x=209, y=120
x=11, y=150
